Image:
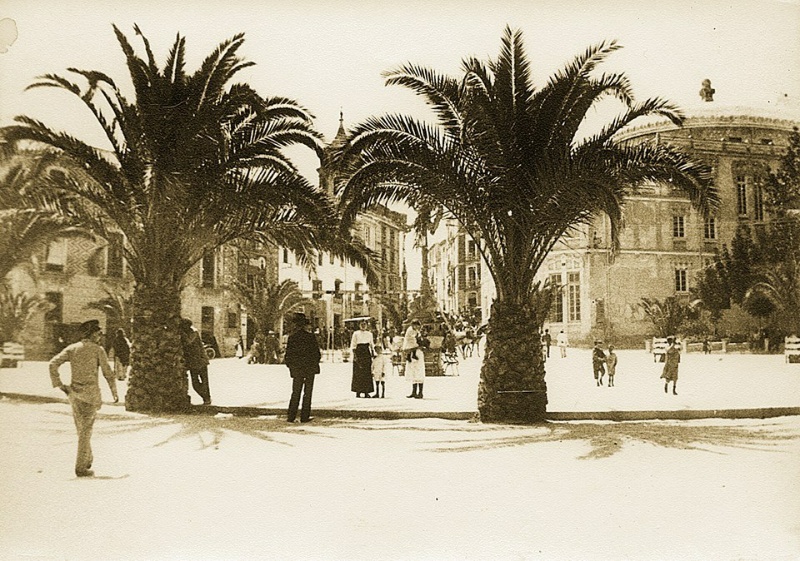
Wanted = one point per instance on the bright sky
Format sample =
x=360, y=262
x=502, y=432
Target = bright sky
x=330, y=55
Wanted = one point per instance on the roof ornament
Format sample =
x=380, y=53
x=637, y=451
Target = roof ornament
x=707, y=92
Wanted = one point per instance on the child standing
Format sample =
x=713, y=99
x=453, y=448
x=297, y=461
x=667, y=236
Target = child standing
x=611, y=363
x=380, y=363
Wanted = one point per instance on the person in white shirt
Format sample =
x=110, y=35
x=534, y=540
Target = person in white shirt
x=562, y=342
x=415, y=359
x=85, y=357
x=380, y=364
x=362, y=346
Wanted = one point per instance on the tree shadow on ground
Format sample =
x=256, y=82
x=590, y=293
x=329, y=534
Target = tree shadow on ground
x=606, y=439
x=207, y=429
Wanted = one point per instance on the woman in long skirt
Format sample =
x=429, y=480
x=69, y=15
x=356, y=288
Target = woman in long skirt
x=362, y=346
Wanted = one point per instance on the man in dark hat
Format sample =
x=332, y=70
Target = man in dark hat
x=84, y=389
x=302, y=357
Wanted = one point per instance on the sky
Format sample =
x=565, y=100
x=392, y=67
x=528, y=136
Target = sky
x=329, y=56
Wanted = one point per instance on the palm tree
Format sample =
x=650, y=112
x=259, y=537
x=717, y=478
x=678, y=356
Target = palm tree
x=195, y=163
x=268, y=303
x=16, y=308
x=29, y=219
x=667, y=315
x=508, y=162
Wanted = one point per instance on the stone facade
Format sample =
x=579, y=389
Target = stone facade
x=665, y=243
x=455, y=272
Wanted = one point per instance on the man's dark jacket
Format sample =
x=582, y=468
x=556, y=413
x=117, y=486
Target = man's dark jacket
x=302, y=354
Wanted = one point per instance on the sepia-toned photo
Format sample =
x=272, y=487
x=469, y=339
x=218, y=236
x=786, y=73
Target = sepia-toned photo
x=453, y=280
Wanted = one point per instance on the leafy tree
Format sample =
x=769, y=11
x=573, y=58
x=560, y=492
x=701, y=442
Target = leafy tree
x=508, y=162
x=196, y=162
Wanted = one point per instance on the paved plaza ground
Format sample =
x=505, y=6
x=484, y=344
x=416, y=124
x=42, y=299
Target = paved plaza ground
x=225, y=487
x=708, y=383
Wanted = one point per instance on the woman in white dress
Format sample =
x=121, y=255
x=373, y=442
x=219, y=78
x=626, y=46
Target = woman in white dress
x=415, y=359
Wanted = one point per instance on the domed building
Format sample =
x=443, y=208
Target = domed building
x=665, y=243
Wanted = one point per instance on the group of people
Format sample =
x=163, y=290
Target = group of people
x=547, y=341
x=370, y=364
x=601, y=361
x=302, y=357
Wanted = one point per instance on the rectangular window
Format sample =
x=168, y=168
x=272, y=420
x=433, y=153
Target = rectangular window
x=758, y=202
x=472, y=249
x=681, y=280
x=319, y=258
x=557, y=309
x=678, y=228
x=741, y=195
x=206, y=322
x=114, y=260
x=358, y=296
x=710, y=228
x=316, y=288
x=574, y=296
x=472, y=277
x=285, y=255
x=56, y=259
x=233, y=320
x=208, y=270
x=331, y=258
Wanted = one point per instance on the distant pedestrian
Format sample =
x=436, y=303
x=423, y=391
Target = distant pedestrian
x=121, y=347
x=83, y=392
x=380, y=364
x=415, y=359
x=598, y=363
x=362, y=347
x=239, y=352
x=562, y=342
x=706, y=347
x=546, y=340
x=415, y=372
x=671, y=361
x=302, y=358
x=611, y=362
x=195, y=360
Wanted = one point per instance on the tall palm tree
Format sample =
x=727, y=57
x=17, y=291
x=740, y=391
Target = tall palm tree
x=506, y=159
x=267, y=303
x=195, y=163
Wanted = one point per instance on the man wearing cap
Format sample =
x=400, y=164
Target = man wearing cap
x=83, y=392
x=598, y=362
x=302, y=357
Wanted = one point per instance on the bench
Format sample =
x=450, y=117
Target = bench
x=791, y=349
x=12, y=354
x=659, y=348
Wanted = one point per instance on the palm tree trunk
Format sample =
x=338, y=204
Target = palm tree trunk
x=158, y=381
x=512, y=388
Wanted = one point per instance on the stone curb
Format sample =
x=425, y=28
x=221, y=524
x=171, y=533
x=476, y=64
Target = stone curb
x=682, y=414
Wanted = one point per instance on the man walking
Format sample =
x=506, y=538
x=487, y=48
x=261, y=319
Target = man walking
x=302, y=357
x=547, y=340
x=83, y=392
